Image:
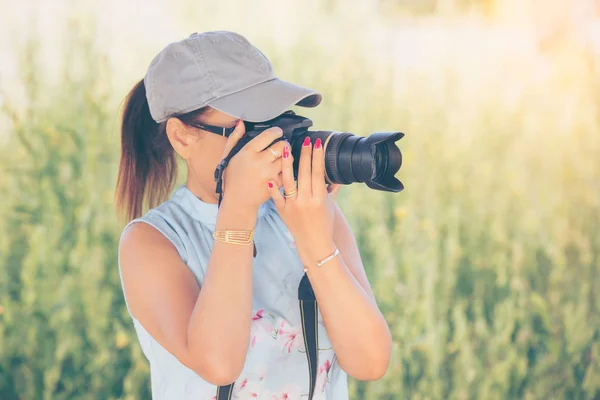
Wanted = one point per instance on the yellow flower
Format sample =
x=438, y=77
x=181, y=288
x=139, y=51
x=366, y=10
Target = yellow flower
x=121, y=340
x=400, y=213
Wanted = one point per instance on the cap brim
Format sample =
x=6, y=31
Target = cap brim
x=266, y=100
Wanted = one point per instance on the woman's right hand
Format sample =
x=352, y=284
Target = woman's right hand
x=246, y=176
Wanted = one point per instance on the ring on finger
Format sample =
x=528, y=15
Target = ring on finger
x=290, y=194
x=293, y=192
x=275, y=155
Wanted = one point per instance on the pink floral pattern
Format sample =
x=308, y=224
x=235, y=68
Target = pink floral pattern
x=289, y=338
x=261, y=371
x=261, y=327
x=247, y=389
x=322, y=375
x=289, y=392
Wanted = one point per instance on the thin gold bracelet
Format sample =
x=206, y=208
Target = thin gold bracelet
x=239, y=237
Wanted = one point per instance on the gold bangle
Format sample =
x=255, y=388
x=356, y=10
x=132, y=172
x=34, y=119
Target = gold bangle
x=239, y=237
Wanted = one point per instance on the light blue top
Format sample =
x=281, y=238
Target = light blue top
x=276, y=365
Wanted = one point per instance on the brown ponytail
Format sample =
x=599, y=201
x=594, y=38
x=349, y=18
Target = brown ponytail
x=148, y=167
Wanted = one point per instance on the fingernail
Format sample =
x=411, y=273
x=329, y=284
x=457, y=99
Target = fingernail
x=286, y=152
x=270, y=185
x=238, y=123
x=306, y=141
x=318, y=143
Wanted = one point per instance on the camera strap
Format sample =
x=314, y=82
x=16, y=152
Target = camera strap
x=224, y=392
x=309, y=316
x=220, y=170
x=219, y=176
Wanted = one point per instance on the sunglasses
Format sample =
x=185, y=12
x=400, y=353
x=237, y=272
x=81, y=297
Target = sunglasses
x=219, y=130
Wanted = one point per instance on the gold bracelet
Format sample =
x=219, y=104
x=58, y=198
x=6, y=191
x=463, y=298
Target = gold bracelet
x=240, y=237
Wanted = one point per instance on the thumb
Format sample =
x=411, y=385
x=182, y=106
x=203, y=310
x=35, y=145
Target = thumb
x=234, y=137
x=276, y=195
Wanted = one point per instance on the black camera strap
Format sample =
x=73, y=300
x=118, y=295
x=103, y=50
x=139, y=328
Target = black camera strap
x=224, y=392
x=219, y=175
x=309, y=315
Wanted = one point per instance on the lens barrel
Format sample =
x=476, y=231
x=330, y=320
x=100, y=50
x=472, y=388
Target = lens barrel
x=349, y=158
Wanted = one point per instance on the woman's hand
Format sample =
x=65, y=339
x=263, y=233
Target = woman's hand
x=308, y=215
x=244, y=180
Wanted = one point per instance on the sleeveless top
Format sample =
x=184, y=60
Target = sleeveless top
x=276, y=364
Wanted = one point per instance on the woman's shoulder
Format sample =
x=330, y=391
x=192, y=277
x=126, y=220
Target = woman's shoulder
x=156, y=225
x=159, y=215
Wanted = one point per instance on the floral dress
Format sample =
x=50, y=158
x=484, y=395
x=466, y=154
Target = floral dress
x=276, y=366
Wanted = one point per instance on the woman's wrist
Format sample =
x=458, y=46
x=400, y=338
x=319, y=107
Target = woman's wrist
x=236, y=216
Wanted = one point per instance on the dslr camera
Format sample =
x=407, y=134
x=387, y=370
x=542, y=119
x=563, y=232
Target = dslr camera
x=373, y=160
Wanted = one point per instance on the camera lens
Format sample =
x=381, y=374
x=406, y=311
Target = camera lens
x=349, y=158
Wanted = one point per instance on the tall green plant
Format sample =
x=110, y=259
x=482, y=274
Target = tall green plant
x=64, y=331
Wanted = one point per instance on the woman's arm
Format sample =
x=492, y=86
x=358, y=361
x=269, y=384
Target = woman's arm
x=358, y=332
x=346, y=243
x=207, y=330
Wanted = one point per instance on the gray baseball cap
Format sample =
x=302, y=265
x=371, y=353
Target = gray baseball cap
x=223, y=70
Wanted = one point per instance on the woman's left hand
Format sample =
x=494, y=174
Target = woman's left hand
x=309, y=214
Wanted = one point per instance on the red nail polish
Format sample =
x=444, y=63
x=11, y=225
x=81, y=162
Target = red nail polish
x=318, y=143
x=238, y=123
x=270, y=185
x=306, y=141
x=286, y=152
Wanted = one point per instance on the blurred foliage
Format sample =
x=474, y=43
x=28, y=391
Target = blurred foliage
x=64, y=333
x=487, y=267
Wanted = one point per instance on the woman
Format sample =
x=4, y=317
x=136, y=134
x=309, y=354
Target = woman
x=212, y=308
